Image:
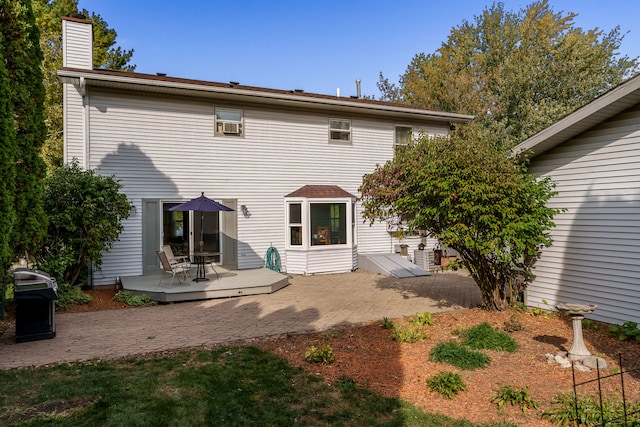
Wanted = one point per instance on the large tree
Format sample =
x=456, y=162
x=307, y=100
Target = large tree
x=466, y=193
x=518, y=72
x=106, y=55
x=22, y=59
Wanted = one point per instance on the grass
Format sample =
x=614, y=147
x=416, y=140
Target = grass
x=234, y=386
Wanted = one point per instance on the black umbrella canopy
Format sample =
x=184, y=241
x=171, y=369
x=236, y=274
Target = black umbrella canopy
x=202, y=204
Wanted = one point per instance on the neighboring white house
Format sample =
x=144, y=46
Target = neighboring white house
x=289, y=162
x=594, y=157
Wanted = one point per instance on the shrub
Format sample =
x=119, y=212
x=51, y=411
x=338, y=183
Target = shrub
x=386, y=323
x=408, y=333
x=133, y=300
x=447, y=383
x=508, y=394
x=422, y=319
x=69, y=295
x=323, y=355
x=484, y=336
x=563, y=410
x=626, y=331
x=513, y=324
x=457, y=355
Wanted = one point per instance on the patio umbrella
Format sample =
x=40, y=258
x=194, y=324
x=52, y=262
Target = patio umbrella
x=202, y=204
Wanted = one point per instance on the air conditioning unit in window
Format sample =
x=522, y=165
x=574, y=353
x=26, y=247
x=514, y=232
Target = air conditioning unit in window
x=231, y=128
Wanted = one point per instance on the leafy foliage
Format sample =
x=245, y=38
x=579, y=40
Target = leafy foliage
x=466, y=192
x=508, y=394
x=22, y=57
x=408, y=333
x=133, y=299
x=423, y=318
x=386, y=323
x=323, y=355
x=563, y=410
x=85, y=213
x=106, y=54
x=484, y=336
x=447, y=383
x=69, y=295
x=517, y=72
x=628, y=330
x=458, y=355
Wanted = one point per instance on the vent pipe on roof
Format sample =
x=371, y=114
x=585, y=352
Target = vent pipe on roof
x=358, y=88
x=338, y=92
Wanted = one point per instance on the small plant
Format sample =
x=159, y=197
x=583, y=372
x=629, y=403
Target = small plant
x=422, y=319
x=329, y=335
x=484, y=336
x=628, y=330
x=323, y=355
x=513, y=324
x=563, y=410
x=458, y=355
x=508, y=394
x=408, y=333
x=447, y=383
x=386, y=323
x=589, y=324
x=69, y=295
x=133, y=299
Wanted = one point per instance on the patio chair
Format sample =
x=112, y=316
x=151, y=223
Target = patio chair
x=175, y=259
x=179, y=270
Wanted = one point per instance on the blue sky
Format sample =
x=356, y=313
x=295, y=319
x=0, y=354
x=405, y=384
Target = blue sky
x=316, y=46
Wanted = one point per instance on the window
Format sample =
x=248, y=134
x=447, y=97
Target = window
x=339, y=130
x=228, y=122
x=328, y=223
x=404, y=135
x=295, y=224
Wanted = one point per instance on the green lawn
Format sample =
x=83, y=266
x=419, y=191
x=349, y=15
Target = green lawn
x=236, y=386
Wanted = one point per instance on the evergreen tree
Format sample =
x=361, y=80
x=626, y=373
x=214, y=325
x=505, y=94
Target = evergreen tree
x=23, y=58
x=7, y=165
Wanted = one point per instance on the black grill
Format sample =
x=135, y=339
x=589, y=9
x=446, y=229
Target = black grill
x=35, y=294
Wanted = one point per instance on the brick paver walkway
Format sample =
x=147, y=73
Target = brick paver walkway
x=312, y=303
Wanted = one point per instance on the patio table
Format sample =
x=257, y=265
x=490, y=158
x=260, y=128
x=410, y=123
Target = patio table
x=200, y=260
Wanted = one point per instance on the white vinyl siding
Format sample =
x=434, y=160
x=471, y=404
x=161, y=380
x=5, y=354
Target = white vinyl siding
x=74, y=129
x=77, y=45
x=165, y=148
x=595, y=257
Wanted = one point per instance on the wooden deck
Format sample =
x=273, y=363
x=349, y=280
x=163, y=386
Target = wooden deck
x=229, y=283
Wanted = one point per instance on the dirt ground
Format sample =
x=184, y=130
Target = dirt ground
x=369, y=355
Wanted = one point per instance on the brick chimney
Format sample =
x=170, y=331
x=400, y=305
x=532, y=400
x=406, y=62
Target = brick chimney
x=77, y=42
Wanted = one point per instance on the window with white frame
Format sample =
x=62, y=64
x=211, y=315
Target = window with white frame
x=228, y=122
x=328, y=223
x=295, y=224
x=340, y=130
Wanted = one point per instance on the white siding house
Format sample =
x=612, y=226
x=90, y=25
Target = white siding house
x=593, y=155
x=169, y=139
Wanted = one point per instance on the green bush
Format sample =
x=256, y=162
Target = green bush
x=133, y=300
x=458, y=355
x=422, y=319
x=386, y=323
x=628, y=330
x=69, y=295
x=323, y=355
x=408, y=333
x=563, y=410
x=508, y=394
x=484, y=336
x=447, y=383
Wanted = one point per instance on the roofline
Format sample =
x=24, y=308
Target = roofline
x=574, y=123
x=297, y=98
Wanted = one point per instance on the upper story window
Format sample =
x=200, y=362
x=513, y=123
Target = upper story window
x=228, y=122
x=404, y=135
x=339, y=130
